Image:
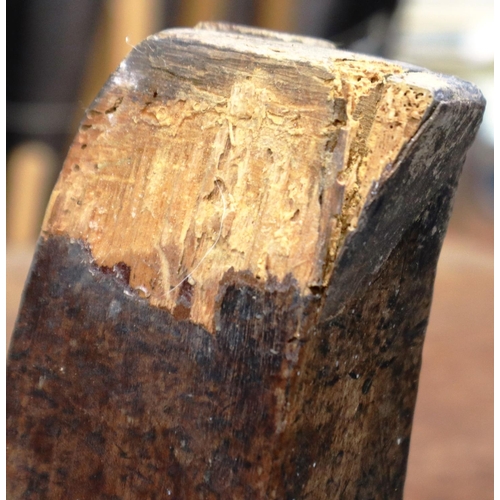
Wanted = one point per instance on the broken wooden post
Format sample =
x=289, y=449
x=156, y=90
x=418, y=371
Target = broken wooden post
x=232, y=285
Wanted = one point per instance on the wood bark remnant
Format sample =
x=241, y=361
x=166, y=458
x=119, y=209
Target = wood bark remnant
x=232, y=285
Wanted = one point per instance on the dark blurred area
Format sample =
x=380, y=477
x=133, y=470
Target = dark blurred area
x=60, y=53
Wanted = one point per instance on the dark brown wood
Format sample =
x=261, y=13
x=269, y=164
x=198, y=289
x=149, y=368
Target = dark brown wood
x=273, y=380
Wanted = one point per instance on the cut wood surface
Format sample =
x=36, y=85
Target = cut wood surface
x=222, y=165
x=233, y=281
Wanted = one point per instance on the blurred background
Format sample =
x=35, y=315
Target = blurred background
x=60, y=53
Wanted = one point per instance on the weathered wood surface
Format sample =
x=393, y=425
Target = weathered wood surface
x=232, y=285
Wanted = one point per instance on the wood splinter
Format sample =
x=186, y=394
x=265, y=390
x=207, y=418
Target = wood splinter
x=230, y=292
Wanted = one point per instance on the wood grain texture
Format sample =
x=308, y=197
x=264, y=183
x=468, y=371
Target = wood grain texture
x=231, y=290
x=223, y=164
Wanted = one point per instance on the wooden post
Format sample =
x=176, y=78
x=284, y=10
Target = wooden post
x=232, y=285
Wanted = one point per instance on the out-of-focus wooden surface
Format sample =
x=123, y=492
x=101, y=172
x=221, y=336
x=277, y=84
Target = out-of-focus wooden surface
x=451, y=454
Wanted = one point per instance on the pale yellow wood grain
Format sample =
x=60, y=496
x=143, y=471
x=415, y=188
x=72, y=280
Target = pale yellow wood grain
x=257, y=177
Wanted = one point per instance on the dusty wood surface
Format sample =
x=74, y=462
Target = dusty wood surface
x=232, y=286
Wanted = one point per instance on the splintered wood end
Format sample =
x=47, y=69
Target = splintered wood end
x=208, y=151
